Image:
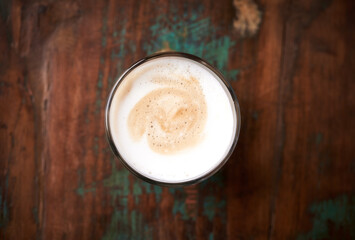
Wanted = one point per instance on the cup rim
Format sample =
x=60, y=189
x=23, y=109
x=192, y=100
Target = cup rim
x=198, y=60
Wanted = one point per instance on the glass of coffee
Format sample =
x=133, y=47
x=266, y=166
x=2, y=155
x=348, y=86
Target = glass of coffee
x=172, y=119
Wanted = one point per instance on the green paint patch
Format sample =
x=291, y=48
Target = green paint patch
x=319, y=138
x=120, y=50
x=198, y=37
x=35, y=215
x=255, y=115
x=96, y=146
x=180, y=208
x=124, y=225
x=133, y=222
x=103, y=41
x=4, y=206
x=148, y=233
x=173, y=190
x=332, y=218
x=140, y=187
x=81, y=190
x=147, y=187
x=211, y=207
x=117, y=226
x=99, y=82
x=137, y=226
x=4, y=212
x=119, y=182
x=157, y=192
x=137, y=191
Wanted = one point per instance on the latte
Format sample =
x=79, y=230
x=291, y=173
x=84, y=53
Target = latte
x=172, y=119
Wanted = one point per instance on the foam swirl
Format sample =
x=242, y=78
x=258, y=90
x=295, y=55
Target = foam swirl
x=172, y=117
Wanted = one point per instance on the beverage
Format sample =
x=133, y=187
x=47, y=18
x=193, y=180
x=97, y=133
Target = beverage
x=172, y=120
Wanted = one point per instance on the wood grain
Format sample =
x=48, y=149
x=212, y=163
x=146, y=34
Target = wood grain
x=291, y=176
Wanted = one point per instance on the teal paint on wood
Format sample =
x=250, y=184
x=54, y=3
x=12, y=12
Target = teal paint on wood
x=212, y=207
x=319, y=138
x=119, y=226
x=209, y=207
x=4, y=204
x=134, y=224
x=113, y=231
x=96, y=146
x=118, y=180
x=255, y=115
x=123, y=224
x=4, y=212
x=157, y=192
x=103, y=41
x=119, y=43
x=99, y=82
x=137, y=231
x=147, y=235
x=180, y=208
x=137, y=191
x=130, y=224
x=147, y=187
x=338, y=213
x=35, y=215
x=197, y=36
x=81, y=190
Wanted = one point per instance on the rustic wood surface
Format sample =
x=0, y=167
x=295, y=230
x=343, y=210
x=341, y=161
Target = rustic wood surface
x=291, y=63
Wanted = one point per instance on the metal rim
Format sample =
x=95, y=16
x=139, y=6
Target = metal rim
x=219, y=75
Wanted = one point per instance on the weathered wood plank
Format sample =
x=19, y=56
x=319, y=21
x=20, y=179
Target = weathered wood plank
x=290, y=63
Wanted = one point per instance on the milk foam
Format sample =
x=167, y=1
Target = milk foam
x=193, y=139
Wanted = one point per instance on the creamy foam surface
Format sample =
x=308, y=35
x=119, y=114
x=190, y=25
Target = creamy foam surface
x=172, y=119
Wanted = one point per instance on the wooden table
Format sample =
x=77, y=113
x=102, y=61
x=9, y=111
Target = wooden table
x=291, y=64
